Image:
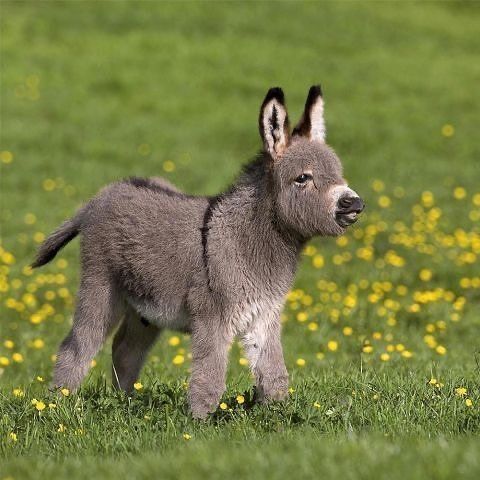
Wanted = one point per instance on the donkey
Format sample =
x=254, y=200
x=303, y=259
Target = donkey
x=217, y=267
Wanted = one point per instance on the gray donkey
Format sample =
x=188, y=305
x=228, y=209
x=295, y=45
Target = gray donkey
x=218, y=267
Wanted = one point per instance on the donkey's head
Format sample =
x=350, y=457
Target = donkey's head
x=310, y=193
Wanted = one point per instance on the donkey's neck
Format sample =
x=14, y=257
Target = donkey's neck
x=246, y=215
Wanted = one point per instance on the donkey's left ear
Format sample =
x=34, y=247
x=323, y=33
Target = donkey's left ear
x=312, y=123
x=273, y=123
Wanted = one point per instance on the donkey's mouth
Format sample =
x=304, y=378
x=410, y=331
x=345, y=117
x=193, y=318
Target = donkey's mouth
x=346, y=219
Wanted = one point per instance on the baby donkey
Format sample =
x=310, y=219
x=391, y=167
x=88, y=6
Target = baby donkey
x=218, y=267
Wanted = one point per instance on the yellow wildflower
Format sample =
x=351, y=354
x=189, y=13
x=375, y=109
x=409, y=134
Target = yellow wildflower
x=174, y=341
x=178, y=359
x=332, y=345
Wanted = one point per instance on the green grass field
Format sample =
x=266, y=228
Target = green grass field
x=382, y=329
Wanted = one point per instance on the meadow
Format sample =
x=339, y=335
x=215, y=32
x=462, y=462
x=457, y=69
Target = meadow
x=381, y=330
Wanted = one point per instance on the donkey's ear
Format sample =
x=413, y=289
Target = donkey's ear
x=273, y=123
x=312, y=123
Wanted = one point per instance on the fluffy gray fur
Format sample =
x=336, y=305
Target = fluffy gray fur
x=154, y=258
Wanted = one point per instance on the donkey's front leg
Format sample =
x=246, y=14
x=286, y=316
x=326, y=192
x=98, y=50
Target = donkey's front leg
x=210, y=343
x=263, y=347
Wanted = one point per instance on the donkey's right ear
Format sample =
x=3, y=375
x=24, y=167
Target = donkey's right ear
x=273, y=123
x=312, y=123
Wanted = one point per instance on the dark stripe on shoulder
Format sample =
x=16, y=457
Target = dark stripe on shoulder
x=148, y=184
x=212, y=203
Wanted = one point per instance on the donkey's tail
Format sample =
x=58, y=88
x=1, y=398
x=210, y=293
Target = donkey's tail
x=67, y=231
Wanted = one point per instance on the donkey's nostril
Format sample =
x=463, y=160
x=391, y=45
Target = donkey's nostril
x=345, y=202
x=350, y=204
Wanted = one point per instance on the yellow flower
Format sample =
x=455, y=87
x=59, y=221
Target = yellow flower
x=461, y=391
x=65, y=392
x=347, y=331
x=448, y=130
x=8, y=258
x=17, y=357
x=178, y=359
x=302, y=316
x=6, y=156
x=384, y=357
x=384, y=201
x=8, y=344
x=39, y=378
x=223, y=406
x=318, y=261
x=469, y=402
x=39, y=237
x=62, y=263
x=407, y=354
x=12, y=436
x=168, y=166
x=313, y=326
x=243, y=361
x=240, y=399
x=425, y=275
x=301, y=362
x=38, y=343
x=441, y=350
x=186, y=436
x=378, y=185
x=332, y=345
x=459, y=193
x=320, y=356
x=367, y=349
x=61, y=428
x=30, y=218
x=316, y=405
x=18, y=392
x=48, y=184
x=40, y=406
x=174, y=341
x=137, y=386
x=4, y=362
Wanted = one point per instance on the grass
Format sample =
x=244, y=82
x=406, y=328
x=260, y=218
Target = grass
x=381, y=328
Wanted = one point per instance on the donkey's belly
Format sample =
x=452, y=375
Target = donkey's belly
x=162, y=316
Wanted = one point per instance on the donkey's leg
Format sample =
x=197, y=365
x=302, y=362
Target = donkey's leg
x=210, y=344
x=98, y=310
x=130, y=347
x=263, y=347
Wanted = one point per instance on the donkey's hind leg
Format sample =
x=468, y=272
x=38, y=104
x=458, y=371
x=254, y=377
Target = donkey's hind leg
x=130, y=346
x=99, y=308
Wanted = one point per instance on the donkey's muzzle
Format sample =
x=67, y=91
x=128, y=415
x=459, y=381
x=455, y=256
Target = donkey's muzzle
x=348, y=210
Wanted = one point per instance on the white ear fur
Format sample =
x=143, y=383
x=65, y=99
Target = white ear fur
x=312, y=123
x=273, y=123
x=318, y=130
x=274, y=115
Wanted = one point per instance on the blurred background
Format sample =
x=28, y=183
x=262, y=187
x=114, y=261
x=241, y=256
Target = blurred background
x=92, y=92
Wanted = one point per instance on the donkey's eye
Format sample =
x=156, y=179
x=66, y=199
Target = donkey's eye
x=303, y=178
